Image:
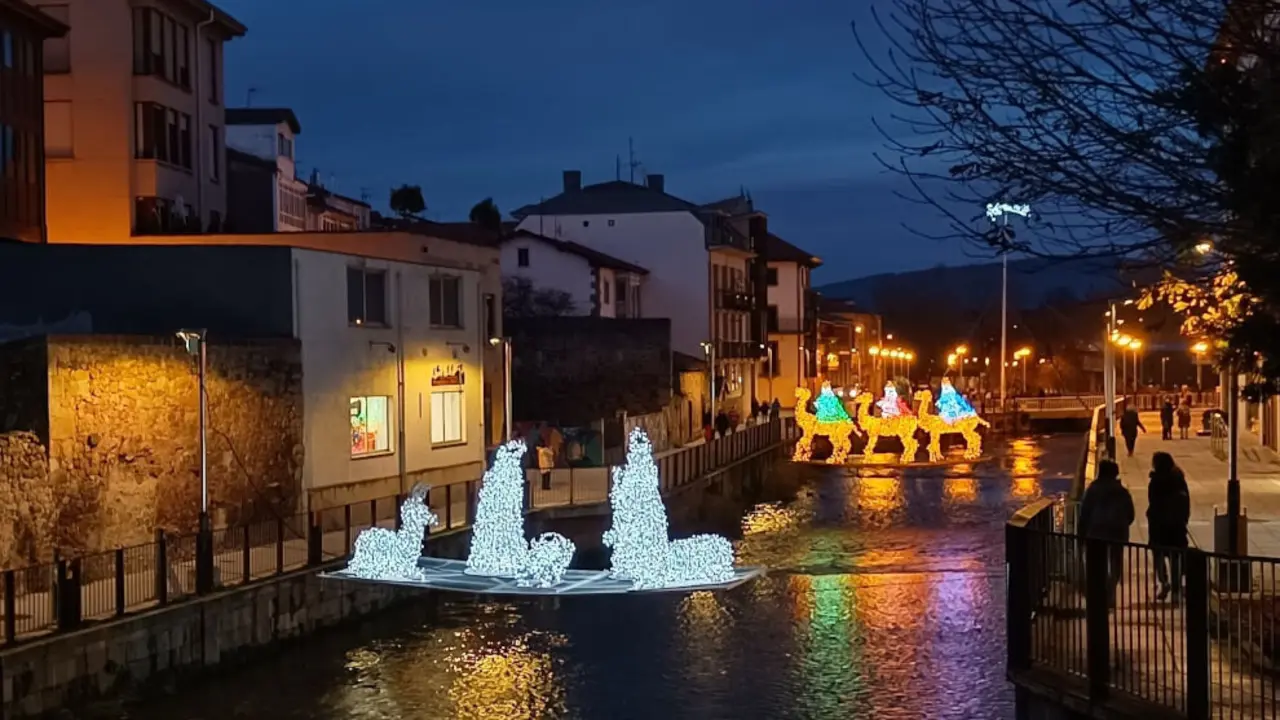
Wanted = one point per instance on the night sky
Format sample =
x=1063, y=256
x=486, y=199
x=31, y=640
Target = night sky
x=495, y=98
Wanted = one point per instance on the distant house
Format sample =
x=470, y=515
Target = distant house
x=704, y=263
x=791, y=319
x=599, y=284
x=264, y=190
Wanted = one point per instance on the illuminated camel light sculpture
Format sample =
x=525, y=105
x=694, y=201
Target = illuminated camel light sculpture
x=903, y=426
x=811, y=427
x=937, y=426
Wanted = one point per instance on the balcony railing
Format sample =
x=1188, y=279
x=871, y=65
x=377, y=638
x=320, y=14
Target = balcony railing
x=736, y=350
x=737, y=300
x=161, y=216
x=720, y=237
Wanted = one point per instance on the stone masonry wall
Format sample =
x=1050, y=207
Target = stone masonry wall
x=124, y=436
x=28, y=510
x=66, y=672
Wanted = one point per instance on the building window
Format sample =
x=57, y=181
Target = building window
x=285, y=146
x=522, y=257
x=57, y=50
x=773, y=318
x=293, y=209
x=211, y=46
x=163, y=134
x=366, y=297
x=215, y=153
x=161, y=47
x=586, y=223
x=490, y=315
x=446, y=301
x=771, y=359
x=771, y=276
x=604, y=293
x=446, y=417
x=6, y=48
x=58, y=130
x=370, y=425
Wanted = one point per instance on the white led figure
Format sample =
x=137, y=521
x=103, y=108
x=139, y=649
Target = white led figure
x=548, y=557
x=641, y=551
x=382, y=554
x=498, y=546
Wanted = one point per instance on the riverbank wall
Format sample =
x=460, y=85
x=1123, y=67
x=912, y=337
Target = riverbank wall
x=65, y=670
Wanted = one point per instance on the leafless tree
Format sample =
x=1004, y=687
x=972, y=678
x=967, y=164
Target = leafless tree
x=1123, y=123
x=522, y=299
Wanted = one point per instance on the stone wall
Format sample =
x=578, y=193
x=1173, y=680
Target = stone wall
x=66, y=672
x=28, y=508
x=124, y=436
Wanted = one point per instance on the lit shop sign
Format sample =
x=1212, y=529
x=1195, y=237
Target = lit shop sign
x=448, y=375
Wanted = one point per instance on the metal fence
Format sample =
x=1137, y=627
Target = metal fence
x=69, y=592
x=1093, y=614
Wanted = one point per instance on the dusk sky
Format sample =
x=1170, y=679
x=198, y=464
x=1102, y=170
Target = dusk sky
x=496, y=98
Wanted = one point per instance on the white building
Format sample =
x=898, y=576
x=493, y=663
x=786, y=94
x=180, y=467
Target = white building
x=264, y=191
x=701, y=262
x=267, y=134
x=599, y=284
x=791, y=319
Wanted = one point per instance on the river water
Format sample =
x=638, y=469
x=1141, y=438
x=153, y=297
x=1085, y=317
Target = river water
x=884, y=599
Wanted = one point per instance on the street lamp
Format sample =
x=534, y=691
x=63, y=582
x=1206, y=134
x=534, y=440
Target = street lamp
x=1199, y=349
x=769, y=353
x=1001, y=212
x=194, y=341
x=909, y=356
x=1163, y=375
x=1135, y=345
x=960, y=352
x=1022, y=354
x=506, y=373
x=709, y=348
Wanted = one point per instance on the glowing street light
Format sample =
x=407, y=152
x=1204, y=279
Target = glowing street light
x=1199, y=349
x=194, y=342
x=1022, y=354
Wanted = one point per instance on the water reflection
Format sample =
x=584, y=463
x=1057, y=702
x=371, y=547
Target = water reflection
x=884, y=600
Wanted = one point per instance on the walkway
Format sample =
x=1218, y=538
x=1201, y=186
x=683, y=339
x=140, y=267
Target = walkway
x=1259, y=472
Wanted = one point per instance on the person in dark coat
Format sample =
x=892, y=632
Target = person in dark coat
x=1130, y=424
x=775, y=410
x=1106, y=514
x=1166, y=419
x=1168, y=512
x=722, y=423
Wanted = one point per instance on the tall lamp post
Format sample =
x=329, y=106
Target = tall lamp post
x=506, y=383
x=709, y=348
x=769, y=353
x=194, y=341
x=1000, y=212
x=1020, y=356
x=960, y=352
x=1199, y=349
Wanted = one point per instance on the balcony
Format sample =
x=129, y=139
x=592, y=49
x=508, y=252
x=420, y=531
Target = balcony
x=735, y=350
x=162, y=216
x=723, y=236
x=736, y=300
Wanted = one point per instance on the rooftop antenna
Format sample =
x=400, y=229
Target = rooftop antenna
x=541, y=214
x=248, y=96
x=631, y=159
x=364, y=195
x=617, y=167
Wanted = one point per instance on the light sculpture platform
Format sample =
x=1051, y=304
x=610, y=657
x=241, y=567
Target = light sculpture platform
x=830, y=420
x=501, y=562
x=452, y=576
x=955, y=416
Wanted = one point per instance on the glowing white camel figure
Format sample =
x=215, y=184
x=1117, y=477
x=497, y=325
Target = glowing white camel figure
x=498, y=545
x=641, y=551
x=382, y=554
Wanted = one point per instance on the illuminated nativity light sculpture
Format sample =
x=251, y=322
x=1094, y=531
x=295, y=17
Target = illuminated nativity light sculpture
x=902, y=425
x=382, y=554
x=642, y=553
x=955, y=416
x=498, y=545
x=830, y=420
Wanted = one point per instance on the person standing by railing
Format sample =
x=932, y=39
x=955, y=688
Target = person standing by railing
x=1168, y=512
x=1166, y=418
x=1106, y=514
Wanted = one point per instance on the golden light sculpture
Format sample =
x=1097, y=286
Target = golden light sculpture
x=901, y=426
x=938, y=426
x=836, y=429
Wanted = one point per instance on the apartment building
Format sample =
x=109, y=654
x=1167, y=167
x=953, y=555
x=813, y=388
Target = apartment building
x=597, y=283
x=23, y=31
x=792, y=360
x=134, y=118
x=705, y=272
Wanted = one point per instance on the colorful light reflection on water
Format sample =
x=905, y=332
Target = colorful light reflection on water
x=884, y=600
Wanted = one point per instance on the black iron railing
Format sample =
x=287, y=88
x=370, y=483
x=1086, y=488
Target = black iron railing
x=69, y=592
x=1091, y=613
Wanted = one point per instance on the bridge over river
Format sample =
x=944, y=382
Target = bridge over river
x=885, y=599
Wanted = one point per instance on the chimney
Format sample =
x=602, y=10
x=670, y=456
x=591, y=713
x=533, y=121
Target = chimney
x=657, y=182
x=572, y=180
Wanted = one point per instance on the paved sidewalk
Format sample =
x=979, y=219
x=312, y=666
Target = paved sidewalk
x=1259, y=471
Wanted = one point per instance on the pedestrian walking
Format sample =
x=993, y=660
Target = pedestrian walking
x=1166, y=418
x=1130, y=424
x=546, y=461
x=1106, y=514
x=1168, y=512
x=722, y=423
x=1184, y=419
x=775, y=410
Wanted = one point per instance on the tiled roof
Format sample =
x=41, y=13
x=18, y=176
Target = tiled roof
x=591, y=255
x=463, y=232
x=777, y=249
x=264, y=116
x=616, y=197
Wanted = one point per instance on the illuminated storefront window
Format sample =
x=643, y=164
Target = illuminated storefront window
x=446, y=417
x=370, y=425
